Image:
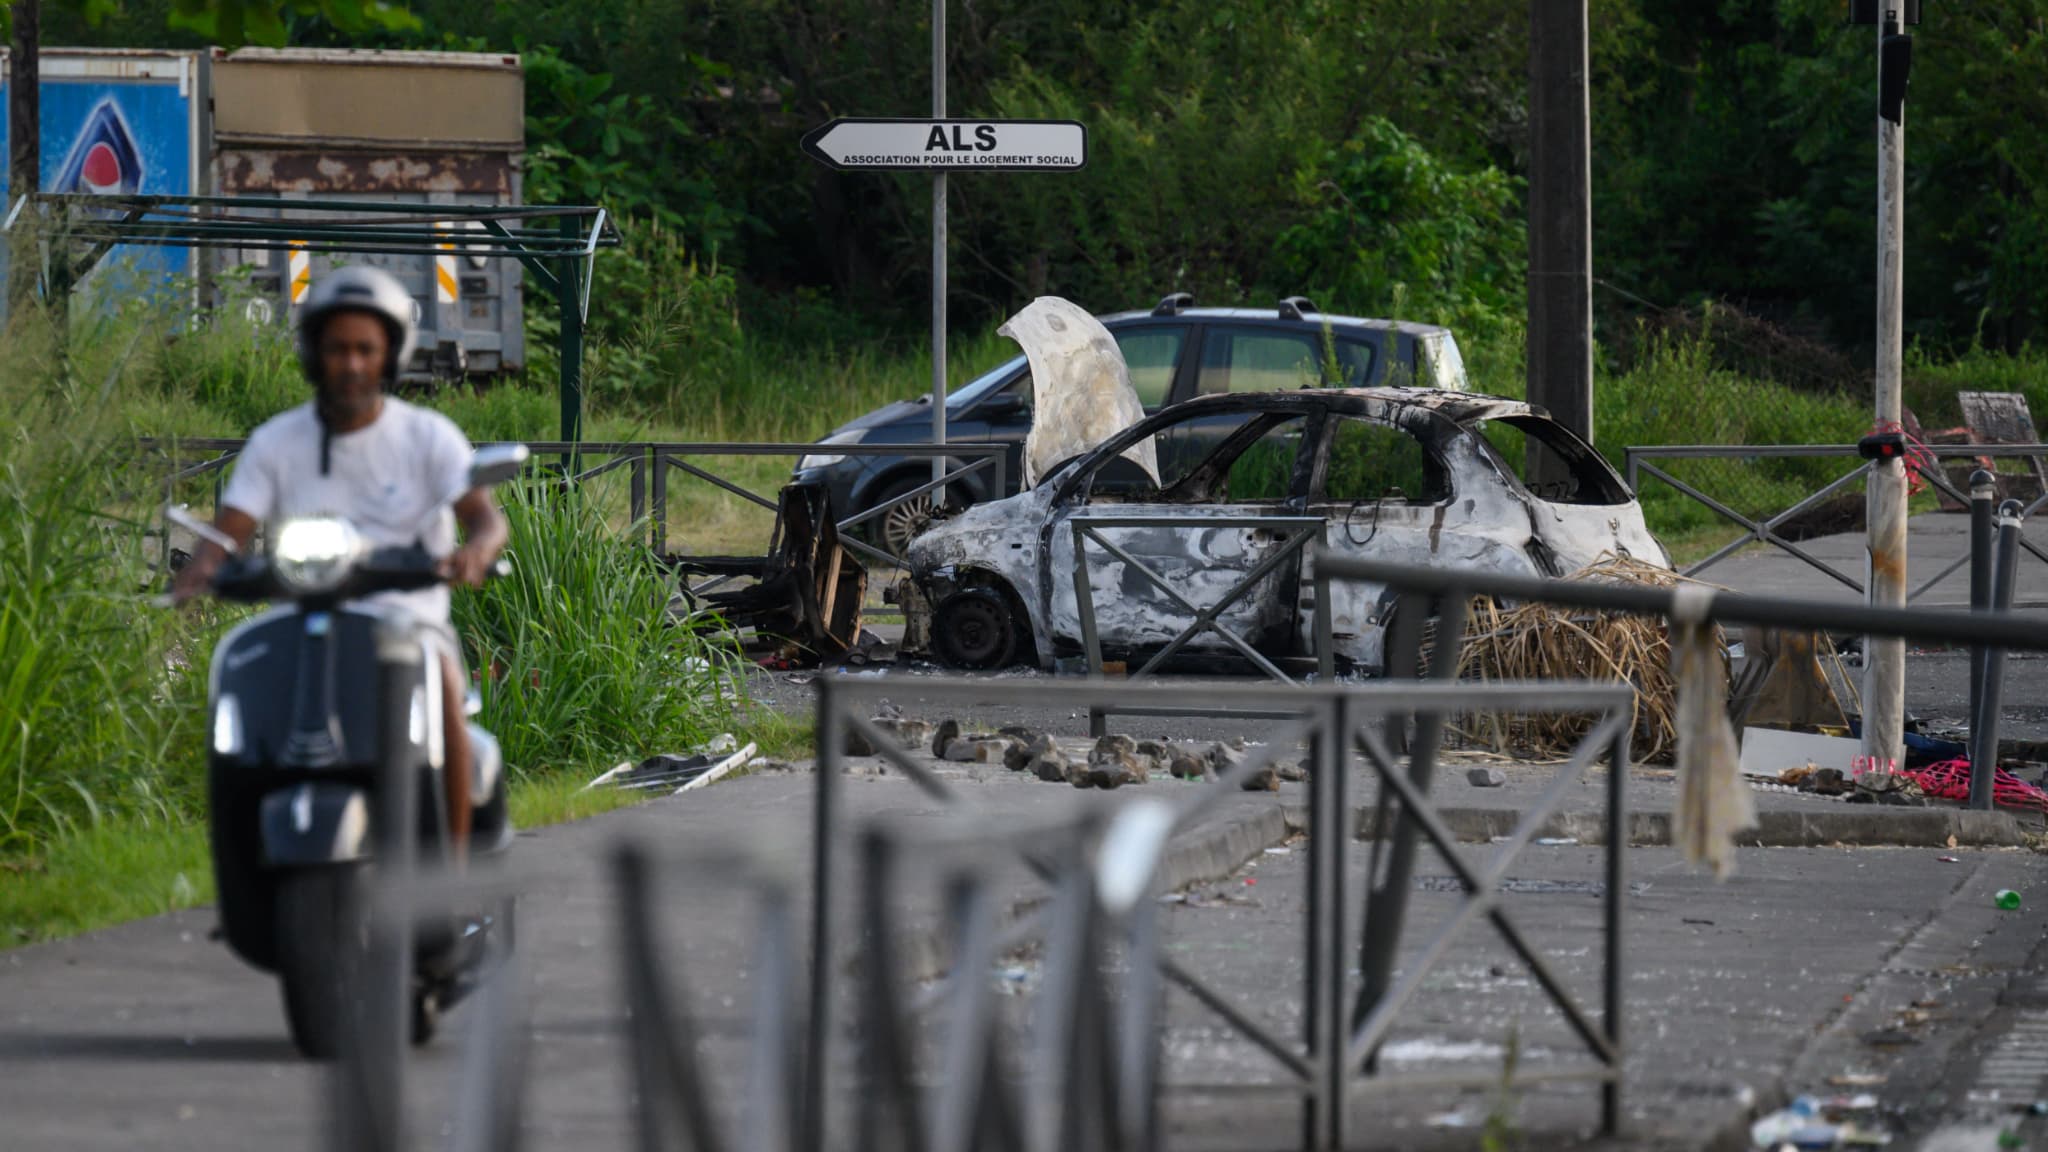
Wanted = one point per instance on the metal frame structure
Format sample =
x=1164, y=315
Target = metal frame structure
x=1342, y=1029
x=1299, y=532
x=649, y=464
x=1764, y=531
x=561, y=257
x=1993, y=631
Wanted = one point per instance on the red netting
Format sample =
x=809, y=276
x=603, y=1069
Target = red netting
x=1950, y=780
x=1919, y=458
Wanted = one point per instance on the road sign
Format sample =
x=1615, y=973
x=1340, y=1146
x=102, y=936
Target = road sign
x=874, y=145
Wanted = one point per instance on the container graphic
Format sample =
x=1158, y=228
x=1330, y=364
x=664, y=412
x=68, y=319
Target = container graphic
x=104, y=159
x=120, y=122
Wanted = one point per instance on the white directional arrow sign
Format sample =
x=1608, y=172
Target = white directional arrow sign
x=945, y=145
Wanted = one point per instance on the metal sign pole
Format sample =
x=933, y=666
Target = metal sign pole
x=939, y=254
x=1884, y=676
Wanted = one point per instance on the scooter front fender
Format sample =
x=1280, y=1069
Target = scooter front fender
x=315, y=823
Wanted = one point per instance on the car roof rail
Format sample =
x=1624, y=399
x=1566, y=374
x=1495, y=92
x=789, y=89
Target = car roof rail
x=1171, y=305
x=1292, y=307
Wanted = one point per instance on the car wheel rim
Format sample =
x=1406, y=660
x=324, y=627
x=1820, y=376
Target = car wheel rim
x=902, y=522
x=976, y=631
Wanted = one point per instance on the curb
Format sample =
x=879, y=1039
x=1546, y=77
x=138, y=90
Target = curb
x=1856, y=827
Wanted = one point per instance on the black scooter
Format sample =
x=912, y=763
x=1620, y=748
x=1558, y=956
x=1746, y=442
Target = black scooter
x=325, y=740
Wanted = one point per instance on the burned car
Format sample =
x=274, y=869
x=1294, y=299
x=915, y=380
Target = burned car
x=1407, y=475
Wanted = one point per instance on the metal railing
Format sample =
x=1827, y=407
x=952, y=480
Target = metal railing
x=649, y=464
x=1765, y=528
x=1343, y=1025
x=1296, y=533
x=1090, y=1066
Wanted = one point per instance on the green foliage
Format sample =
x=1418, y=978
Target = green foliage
x=99, y=700
x=661, y=324
x=579, y=657
x=234, y=23
x=1387, y=221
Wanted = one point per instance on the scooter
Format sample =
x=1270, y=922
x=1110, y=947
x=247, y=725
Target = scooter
x=325, y=745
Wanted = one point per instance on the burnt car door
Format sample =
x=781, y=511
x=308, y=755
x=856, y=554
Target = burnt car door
x=1259, y=468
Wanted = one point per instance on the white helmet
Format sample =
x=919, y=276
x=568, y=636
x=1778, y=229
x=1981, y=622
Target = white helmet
x=359, y=288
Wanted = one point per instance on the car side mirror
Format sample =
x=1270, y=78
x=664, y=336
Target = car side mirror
x=1003, y=404
x=497, y=463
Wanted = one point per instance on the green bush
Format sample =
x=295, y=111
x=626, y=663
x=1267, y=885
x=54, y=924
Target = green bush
x=579, y=658
x=101, y=694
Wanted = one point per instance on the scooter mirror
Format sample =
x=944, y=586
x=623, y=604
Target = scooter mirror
x=496, y=464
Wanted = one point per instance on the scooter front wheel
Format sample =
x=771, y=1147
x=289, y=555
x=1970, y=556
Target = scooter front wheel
x=322, y=937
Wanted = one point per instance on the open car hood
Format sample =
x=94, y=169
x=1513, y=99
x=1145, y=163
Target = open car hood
x=1081, y=390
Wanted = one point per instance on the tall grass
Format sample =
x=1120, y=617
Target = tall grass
x=98, y=705
x=579, y=657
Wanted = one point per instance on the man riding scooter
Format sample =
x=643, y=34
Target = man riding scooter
x=375, y=460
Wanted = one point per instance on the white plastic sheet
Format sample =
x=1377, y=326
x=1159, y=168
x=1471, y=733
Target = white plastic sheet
x=1080, y=387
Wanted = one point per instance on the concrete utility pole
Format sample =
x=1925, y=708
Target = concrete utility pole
x=1560, y=362
x=24, y=137
x=938, y=253
x=1884, y=668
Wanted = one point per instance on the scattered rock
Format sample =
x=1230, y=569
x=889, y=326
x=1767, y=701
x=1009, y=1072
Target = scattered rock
x=1485, y=777
x=911, y=734
x=884, y=710
x=1050, y=766
x=1291, y=771
x=1186, y=765
x=1021, y=756
x=1115, y=762
x=1017, y=732
x=768, y=766
x=949, y=731
x=967, y=750
x=858, y=744
x=1266, y=779
x=996, y=751
x=1156, y=749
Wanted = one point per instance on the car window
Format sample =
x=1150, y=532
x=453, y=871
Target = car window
x=1151, y=354
x=1264, y=471
x=1264, y=360
x=1586, y=478
x=1370, y=461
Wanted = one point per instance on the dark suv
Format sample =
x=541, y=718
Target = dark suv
x=1175, y=352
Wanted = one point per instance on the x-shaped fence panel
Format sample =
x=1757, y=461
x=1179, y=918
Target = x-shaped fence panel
x=1768, y=528
x=1342, y=1025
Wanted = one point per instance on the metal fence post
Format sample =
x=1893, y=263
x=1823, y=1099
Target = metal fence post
x=1984, y=729
x=1983, y=494
x=818, y=1051
x=569, y=299
x=1617, y=893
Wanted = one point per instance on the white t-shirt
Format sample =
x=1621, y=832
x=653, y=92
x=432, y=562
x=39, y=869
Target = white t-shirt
x=394, y=480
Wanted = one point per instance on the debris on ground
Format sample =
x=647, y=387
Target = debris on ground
x=1113, y=763
x=808, y=589
x=1290, y=771
x=1950, y=780
x=1486, y=777
x=682, y=773
x=1539, y=641
x=1188, y=764
x=1811, y=1123
x=908, y=734
x=1894, y=788
x=948, y=731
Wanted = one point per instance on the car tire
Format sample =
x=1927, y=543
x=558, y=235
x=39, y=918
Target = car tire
x=974, y=630
x=892, y=531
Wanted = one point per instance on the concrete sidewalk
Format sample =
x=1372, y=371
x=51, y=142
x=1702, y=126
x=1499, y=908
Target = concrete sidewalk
x=151, y=1034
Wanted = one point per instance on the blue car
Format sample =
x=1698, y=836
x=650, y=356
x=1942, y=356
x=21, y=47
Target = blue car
x=1175, y=352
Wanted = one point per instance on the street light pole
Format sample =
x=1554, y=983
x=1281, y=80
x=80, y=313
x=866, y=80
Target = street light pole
x=1884, y=669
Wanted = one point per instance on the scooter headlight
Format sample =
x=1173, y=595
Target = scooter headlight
x=314, y=555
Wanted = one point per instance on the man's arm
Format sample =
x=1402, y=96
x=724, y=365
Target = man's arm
x=198, y=571
x=484, y=533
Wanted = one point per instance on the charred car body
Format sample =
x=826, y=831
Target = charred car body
x=1402, y=474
